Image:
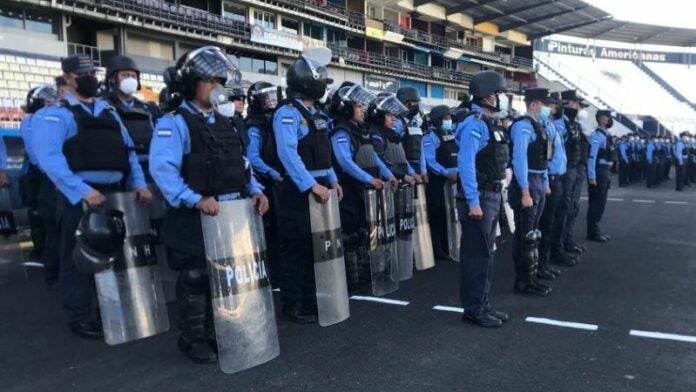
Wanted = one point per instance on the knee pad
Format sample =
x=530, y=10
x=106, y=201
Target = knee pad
x=196, y=280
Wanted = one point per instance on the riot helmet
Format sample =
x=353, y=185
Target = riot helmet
x=99, y=237
x=38, y=97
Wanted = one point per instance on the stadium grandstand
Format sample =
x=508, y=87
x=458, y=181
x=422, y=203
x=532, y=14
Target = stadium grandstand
x=434, y=46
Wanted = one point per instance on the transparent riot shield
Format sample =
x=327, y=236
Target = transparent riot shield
x=403, y=209
x=454, y=230
x=383, y=268
x=422, y=241
x=245, y=325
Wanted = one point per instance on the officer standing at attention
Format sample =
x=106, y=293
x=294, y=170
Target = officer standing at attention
x=197, y=161
x=576, y=147
x=531, y=151
x=602, y=157
x=482, y=159
x=122, y=82
x=85, y=150
x=440, y=154
x=625, y=162
x=238, y=98
x=263, y=157
x=651, y=162
x=557, y=168
x=410, y=128
x=39, y=190
x=681, y=156
x=304, y=149
x=358, y=167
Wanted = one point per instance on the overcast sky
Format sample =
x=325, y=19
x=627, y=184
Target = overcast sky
x=677, y=13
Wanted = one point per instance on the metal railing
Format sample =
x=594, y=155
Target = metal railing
x=91, y=51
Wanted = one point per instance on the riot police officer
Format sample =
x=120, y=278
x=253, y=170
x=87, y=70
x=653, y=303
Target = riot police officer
x=197, y=161
x=482, y=160
x=262, y=154
x=38, y=189
x=238, y=97
x=85, y=150
x=357, y=167
x=624, y=162
x=602, y=157
x=304, y=149
x=440, y=154
x=651, y=159
x=681, y=157
x=122, y=82
x=532, y=149
x=410, y=128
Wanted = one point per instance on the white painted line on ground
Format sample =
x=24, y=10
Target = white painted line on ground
x=614, y=199
x=380, y=300
x=681, y=203
x=449, y=309
x=566, y=324
x=660, y=335
x=643, y=201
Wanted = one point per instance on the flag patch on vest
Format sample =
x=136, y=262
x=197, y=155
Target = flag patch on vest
x=287, y=120
x=164, y=132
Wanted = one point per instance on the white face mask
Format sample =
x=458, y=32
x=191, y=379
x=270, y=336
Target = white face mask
x=128, y=86
x=582, y=114
x=503, y=102
x=325, y=98
x=226, y=109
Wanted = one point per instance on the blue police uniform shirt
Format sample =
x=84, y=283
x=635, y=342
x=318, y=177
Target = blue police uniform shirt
x=170, y=142
x=560, y=126
x=597, y=140
x=650, y=151
x=343, y=151
x=399, y=129
x=254, y=155
x=25, y=130
x=3, y=154
x=430, y=145
x=623, y=150
x=679, y=151
x=289, y=128
x=52, y=126
x=472, y=136
x=522, y=135
x=559, y=160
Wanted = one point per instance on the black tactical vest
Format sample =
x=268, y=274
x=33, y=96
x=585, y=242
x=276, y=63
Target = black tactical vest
x=315, y=148
x=392, y=141
x=269, y=150
x=215, y=165
x=446, y=154
x=493, y=159
x=361, y=143
x=608, y=152
x=138, y=121
x=539, y=151
x=573, y=143
x=412, y=141
x=98, y=144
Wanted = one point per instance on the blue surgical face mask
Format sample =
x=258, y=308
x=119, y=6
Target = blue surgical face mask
x=446, y=125
x=544, y=113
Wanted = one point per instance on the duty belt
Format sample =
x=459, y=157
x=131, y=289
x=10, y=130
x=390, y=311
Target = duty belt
x=491, y=187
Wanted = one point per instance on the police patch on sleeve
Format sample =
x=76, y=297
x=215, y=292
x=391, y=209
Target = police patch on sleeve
x=51, y=118
x=164, y=133
x=342, y=139
x=476, y=134
x=287, y=120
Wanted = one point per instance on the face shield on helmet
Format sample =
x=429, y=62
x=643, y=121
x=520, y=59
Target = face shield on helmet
x=267, y=98
x=391, y=104
x=39, y=97
x=356, y=94
x=209, y=63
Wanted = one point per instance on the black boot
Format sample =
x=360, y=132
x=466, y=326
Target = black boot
x=194, y=302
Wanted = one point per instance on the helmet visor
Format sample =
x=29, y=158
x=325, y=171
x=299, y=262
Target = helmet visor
x=47, y=93
x=268, y=97
x=210, y=63
x=391, y=104
x=356, y=94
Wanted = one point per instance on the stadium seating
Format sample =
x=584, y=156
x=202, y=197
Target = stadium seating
x=18, y=74
x=622, y=86
x=681, y=76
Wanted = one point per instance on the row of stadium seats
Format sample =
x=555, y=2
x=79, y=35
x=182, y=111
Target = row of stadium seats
x=621, y=84
x=680, y=76
x=18, y=74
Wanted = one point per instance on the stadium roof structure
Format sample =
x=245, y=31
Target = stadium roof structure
x=540, y=18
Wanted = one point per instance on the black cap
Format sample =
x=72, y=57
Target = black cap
x=603, y=113
x=540, y=94
x=60, y=81
x=572, y=96
x=77, y=63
